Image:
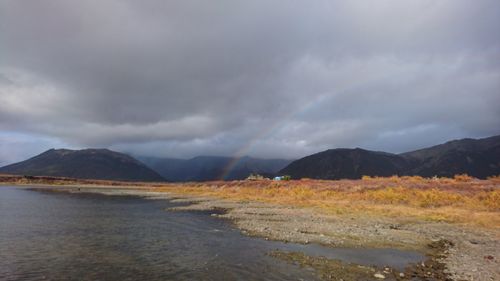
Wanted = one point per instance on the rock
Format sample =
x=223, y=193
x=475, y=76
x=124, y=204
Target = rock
x=401, y=275
x=379, y=276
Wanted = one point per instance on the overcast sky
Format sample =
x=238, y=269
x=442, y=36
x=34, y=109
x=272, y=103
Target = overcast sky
x=261, y=78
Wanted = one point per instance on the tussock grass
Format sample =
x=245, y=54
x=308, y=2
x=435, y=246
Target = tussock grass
x=461, y=199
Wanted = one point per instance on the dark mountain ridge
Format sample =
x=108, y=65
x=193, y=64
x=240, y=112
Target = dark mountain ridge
x=84, y=164
x=206, y=168
x=476, y=157
x=346, y=163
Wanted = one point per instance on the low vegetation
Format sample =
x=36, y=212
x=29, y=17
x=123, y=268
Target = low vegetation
x=461, y=199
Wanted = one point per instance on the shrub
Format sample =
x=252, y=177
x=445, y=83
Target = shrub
x=463, y=178
x=416, y=179
x=494, y=178
x=390, y=195
x=491, y=200
x=366, y=178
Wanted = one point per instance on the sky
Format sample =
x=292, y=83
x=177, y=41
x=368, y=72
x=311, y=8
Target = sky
x=270, y=79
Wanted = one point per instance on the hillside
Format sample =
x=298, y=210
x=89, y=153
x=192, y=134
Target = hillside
x=84, y=164
x=477, y=157
x=205, y=168
x=345, y=163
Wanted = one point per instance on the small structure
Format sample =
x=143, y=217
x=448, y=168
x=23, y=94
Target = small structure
x=282, y=178
x=254, y=177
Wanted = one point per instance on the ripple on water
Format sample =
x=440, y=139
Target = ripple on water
x=61, y=236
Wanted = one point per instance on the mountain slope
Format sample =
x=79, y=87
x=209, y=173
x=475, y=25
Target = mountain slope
x=477, y=157
x=345, y=163
x=205, y=168
x=84, y=164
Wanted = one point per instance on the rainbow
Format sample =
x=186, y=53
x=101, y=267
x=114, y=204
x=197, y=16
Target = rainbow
x=267, y=132
x=281, y=123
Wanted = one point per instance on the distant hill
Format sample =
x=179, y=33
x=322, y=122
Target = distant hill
x=205, y=168
x=476, y=157
x=345, y=163
x=84, y=164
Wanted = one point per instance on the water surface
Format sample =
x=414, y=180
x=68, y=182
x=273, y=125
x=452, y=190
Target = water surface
x=63, y=236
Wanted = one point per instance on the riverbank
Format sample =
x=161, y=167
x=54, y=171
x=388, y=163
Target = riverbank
x=372, y=213
x=466, y=258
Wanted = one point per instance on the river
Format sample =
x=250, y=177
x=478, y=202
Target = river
x=64, y=236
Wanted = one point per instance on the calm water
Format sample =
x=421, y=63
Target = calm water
x=61, y=236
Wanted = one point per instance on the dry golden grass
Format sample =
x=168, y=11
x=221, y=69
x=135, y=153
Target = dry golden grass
x=460, y=200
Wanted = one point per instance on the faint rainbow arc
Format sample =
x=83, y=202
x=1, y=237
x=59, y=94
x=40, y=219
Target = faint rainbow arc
x=264, y=134
x=341, y=88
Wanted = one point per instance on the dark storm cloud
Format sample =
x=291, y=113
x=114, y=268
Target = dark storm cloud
x=268, y=78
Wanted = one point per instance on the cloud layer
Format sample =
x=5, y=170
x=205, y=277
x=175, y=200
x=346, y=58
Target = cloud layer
x=182, y=78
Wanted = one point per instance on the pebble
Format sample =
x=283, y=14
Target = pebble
x=379, y=276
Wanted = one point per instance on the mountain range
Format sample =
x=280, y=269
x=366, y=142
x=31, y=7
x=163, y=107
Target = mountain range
x=110, y=165
x=476, y=157
x=205, y=168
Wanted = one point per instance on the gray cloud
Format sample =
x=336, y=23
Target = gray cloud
x=182, y=78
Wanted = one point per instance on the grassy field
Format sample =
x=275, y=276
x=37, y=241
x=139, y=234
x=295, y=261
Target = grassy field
x=458, y=200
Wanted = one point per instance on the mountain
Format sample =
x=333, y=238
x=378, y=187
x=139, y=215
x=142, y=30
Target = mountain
x=476, y=157
x=479, y=158
x=346, y=163
x=205, y=168
x=84, y=164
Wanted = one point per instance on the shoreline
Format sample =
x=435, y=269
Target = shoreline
x=455, y=251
